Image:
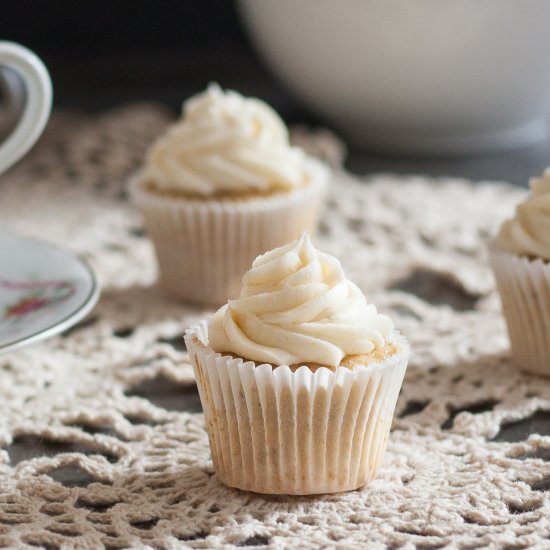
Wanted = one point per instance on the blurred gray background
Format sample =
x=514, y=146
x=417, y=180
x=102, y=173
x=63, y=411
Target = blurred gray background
x=104, y=54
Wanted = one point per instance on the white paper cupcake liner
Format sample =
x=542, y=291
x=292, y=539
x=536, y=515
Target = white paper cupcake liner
x=204, y=247
x=524, y=288
x=282, y=432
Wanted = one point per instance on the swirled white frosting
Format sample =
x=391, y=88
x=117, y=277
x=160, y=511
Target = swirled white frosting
x=528, y=232
x=297, y=306
x=225, y=143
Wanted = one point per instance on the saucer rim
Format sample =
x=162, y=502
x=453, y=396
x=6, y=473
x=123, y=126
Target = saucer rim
x=70, y=319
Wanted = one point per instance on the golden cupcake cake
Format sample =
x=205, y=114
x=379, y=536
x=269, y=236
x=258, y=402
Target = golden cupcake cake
x=298, y=377
x=520, y=258
x=220, y=187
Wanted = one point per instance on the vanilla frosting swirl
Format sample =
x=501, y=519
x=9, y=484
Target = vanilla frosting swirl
x=528, y=232
x=226, y=143
x=297, y=306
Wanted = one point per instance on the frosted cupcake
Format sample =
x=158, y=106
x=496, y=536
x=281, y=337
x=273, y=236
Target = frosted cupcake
x=298, y=378
x=520, y=257
x=220, y=187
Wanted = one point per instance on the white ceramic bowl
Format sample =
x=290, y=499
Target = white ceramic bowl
x=415, y=76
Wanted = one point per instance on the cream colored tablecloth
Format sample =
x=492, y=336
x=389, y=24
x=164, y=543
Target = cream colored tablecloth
x=148, y=478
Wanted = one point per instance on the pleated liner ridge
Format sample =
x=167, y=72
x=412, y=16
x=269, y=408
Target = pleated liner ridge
x=204, y=247
x=303, y=432
x=524, y=288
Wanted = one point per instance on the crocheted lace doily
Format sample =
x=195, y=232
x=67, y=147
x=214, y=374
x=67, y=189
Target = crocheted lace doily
x=112, y=467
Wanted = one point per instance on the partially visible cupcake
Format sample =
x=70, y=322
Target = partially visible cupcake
x=220, y=187
x=520, y=257
x=298, y=378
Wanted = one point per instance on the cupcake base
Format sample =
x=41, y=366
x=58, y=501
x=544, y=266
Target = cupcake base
x=524, y=287
x=281, y=432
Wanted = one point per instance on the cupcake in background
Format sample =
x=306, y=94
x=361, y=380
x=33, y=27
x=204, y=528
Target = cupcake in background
x=298, y=377
x=220, y=187
x=520, y=258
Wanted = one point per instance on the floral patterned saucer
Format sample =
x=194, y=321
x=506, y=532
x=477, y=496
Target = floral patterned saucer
x=43, y=290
